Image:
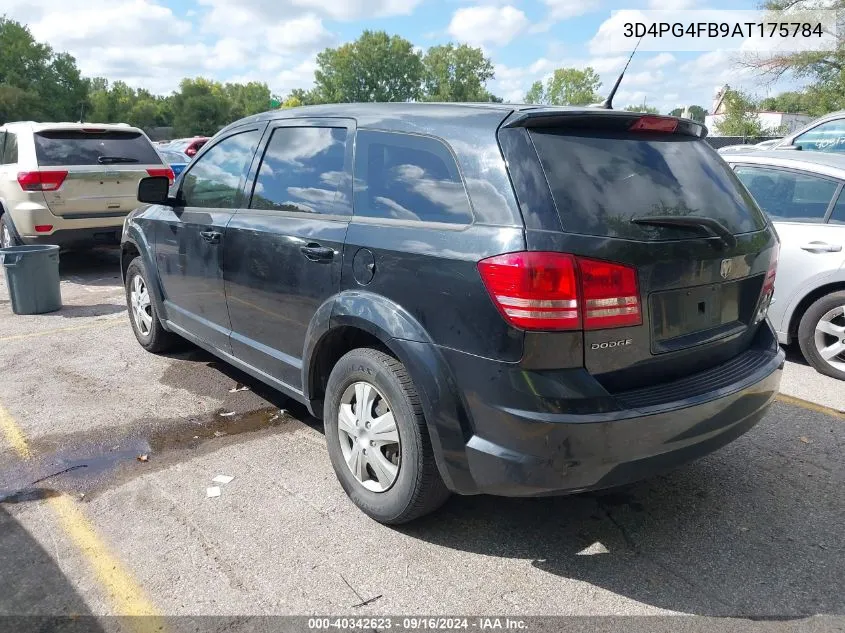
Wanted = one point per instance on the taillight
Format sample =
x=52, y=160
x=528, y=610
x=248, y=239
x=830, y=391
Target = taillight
x=167, y=172
x=768, y=289
x=610, y=293
x=41, y=180
x=43, y=228
x=534, y=291
x=558, y=291
x=654, y=124
x=191, y=151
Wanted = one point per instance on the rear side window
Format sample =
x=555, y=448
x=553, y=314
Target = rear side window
x=74, y=147
x=601, y=181
x=303, y=170
x=407, y=177
x=789, y=196
x=838, y=215
x=10, y=149
x=827, y=137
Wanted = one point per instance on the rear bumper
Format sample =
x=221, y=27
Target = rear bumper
x=528, y=446
x=73, y=238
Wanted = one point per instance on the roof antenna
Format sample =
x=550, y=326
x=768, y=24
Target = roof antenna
x=607, y=104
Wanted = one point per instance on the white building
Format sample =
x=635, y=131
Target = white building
x=777, y=122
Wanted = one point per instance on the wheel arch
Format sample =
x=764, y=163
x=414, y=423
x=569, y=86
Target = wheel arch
x=135, y=244
x=809, y=299
x=362, y=319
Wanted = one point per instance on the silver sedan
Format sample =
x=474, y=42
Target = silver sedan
x=802, y=192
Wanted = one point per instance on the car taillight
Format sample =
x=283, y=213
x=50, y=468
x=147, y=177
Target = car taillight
x=654, y=124
x=768, y=290
x=559, y=291
x=191, y=151
x=610, y=293
x=167, y=172
x=41, y=180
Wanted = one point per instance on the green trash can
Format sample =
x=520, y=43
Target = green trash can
x=32, y=275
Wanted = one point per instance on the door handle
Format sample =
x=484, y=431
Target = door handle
x=822, y=247
x=212, y=237
x=317, y=253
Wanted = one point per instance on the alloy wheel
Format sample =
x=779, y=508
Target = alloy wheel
x=5, y=237
x=830, y=337
x=142, y=310
x=369, y=437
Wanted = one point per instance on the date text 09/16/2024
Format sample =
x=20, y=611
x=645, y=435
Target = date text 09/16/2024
x=417, y=623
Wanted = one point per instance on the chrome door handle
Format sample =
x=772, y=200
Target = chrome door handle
x=822, y=247
x=212, y=237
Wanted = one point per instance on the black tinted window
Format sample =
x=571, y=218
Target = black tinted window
x=408, y=177
x=213, y=180
x=303, y=170
x=10, y=150
x=73, y=147
x=600, y=182
x=788, y=195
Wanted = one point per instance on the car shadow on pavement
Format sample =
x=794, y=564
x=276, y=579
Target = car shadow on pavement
x=94, y=310
x=725, y=536
x=33, y=583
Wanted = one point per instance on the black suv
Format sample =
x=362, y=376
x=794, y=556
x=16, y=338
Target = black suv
x=512, y=300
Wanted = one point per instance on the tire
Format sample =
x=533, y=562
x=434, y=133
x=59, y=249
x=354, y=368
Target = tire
x=155, y=339
x=7, y=237
x=829, y=309
x=417, y=488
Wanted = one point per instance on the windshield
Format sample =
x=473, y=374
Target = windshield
x=76, y=147
x=601, y=181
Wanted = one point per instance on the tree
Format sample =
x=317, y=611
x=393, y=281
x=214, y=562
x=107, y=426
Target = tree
x=456, y=73
x=567, y=86
x=696, y=113
x=247, y=99
x=200, y=107
x=741, y=116
x=825, y=69
x=35, y=81
x=647, y=109
x=375, y=67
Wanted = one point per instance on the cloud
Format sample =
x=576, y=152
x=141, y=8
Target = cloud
x=660, y=60
x=487, y=24
x=673, y=5
x=564, y=9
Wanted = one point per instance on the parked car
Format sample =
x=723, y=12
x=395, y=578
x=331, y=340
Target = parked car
x=825, y=134
x=511, y=300
x=188, y=146
x=744, y=149
x=177, y=160
x=71, y=184
x=802, y=193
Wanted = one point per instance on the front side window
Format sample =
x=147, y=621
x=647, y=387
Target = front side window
x=303, y=170
x=407, y=177
x=827, y=137
x=788, y=196
x=214, y=179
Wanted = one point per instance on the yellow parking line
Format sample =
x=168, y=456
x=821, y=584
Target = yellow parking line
x=126, y=595
x=811, y=406
x=13, y=433
x=72, y=328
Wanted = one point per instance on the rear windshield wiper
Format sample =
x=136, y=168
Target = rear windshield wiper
x=111, y=160
x=712, y=227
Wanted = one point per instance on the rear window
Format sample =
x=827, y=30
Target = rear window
x=600, y=182
x=71, y=147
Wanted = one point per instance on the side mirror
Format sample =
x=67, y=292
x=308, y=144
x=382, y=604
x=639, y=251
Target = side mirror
x=154, y=190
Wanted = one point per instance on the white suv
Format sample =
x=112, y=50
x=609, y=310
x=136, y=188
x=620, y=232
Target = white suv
x=71, y=184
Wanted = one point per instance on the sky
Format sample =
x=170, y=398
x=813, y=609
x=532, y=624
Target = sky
x=155, y=43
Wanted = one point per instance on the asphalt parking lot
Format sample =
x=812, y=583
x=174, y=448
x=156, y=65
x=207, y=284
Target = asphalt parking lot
x=755, y=529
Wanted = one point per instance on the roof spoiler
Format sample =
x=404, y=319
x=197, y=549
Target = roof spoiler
x=594, y=119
